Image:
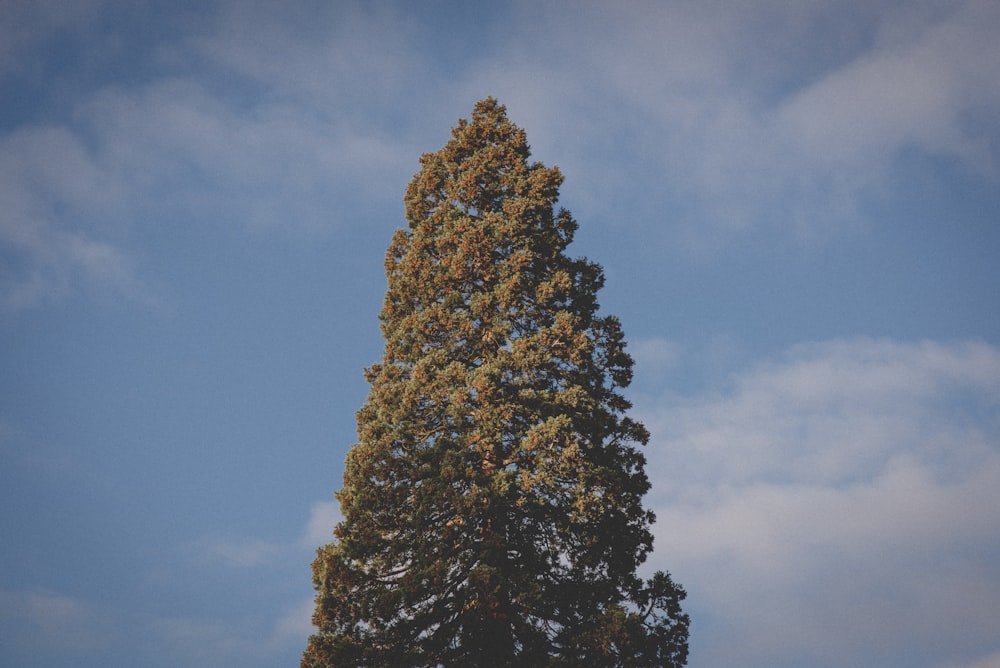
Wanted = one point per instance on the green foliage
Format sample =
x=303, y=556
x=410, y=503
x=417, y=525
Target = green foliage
x=492, y=505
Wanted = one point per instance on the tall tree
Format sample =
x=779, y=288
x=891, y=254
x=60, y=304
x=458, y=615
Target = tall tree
x=492, y=507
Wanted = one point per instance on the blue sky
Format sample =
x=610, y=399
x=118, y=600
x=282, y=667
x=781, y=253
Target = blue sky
x=796, y=205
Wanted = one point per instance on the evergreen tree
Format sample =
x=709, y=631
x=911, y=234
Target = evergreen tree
x=492, y=509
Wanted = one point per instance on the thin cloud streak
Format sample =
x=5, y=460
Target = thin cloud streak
x=66, y=626
x=59, y=627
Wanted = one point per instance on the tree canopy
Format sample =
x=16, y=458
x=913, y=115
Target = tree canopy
x=492, y=506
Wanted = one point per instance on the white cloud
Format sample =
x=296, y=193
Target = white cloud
x=162, y=153
x=201, y=156
x=770, y=113
x=299, y=150
x=915, y=88
x=728, y=117
x=56, y=201
x=827, y=408
x=323, y=517
x=837, y=506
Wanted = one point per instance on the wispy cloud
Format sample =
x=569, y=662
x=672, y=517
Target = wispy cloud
x=187, y=637
x=251, y=553
x=323, y=517
x=272, y=164
x=723, y=118
x=762, y=114
x=846, y=495
x=295, y=625
x=282, y=630
x=196, y=641
x=929, y=74
x=57, y=201
x=170, y=153
x=318, y=55
x=235, y=553
x=243, y=143
x=36, y=623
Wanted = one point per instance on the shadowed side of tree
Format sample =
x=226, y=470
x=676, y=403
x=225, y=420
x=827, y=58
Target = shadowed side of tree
x=493, y=503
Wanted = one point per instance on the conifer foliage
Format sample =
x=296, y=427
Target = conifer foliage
x=492, y=506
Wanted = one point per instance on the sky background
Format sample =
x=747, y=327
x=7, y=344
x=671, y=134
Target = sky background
x=796, y=204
